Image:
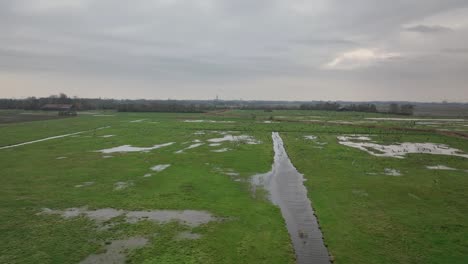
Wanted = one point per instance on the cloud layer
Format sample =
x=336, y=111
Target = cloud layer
x=262, y=49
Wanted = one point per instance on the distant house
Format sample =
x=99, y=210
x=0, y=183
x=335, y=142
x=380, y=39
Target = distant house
x=63, y=109
x=343, y=109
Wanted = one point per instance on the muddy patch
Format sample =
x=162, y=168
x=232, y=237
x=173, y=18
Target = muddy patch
x=160, y=167
x=286, y=190
x=115, y=252
x=398, y=150
x=130, y=148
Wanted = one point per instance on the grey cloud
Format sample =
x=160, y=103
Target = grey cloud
x=428, y=29
x=202, y=43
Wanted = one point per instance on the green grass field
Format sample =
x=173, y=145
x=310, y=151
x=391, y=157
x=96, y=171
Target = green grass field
x=365, y=215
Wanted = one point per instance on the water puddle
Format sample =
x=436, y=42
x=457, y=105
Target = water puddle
x=84, y=184
x=115, y=251
x=220, y=150
x=439, y=167
x=215, y=144
x=160, y=167
x=130, y=148
x=137, y=121
x=242, y=138
x=196, y=145
x=118, y=186
x=286, y=190
x=414, y=119
x=398, y=150
x=310, y=137
x=270, y=122
x=190, y=218
x=208, y=121
x=392, y=172
x=108, y=136
x=59, y=158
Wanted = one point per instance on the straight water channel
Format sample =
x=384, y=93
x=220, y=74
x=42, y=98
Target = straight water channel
x=286, y=190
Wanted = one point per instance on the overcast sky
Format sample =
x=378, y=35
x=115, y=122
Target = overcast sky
x=237, y=49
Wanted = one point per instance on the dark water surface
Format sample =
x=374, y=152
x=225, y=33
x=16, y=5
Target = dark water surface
x=286, y=189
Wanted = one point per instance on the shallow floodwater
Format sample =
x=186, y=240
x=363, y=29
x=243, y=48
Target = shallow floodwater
x=286, y=189
x=440, y=167
x=242, y=138
x=129, y=148
x=398, y=150
x=161, y=167
x=190, y=218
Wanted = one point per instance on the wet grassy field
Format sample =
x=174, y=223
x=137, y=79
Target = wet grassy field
x=372, y=209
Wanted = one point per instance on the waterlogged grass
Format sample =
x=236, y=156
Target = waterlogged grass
x=370, y=217
x=247, y=230
x=365, y=215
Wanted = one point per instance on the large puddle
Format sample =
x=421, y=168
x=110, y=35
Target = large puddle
x=129, y=148
x=286, y=189
x=190, y=218
x=398, y=150
x=242, y=138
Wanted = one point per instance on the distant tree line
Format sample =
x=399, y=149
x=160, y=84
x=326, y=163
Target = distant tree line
x=164, y=106
x=404, y=109
x=333, y=106
x=33, y=103
x=192, y=106
x=328, y=106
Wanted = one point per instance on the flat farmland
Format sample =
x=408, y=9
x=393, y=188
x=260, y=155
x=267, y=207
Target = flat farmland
x=109, y=187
